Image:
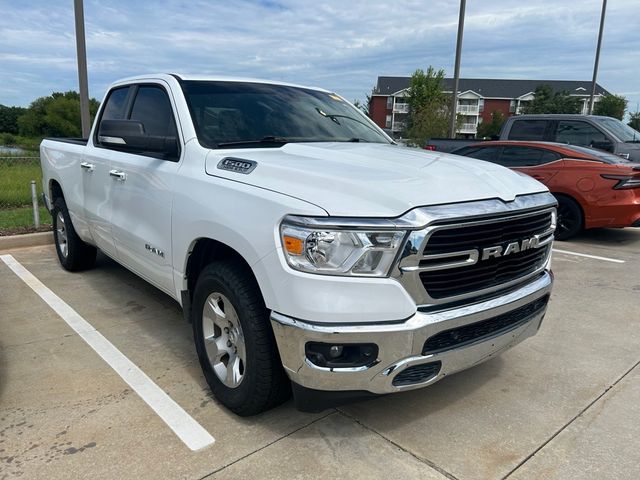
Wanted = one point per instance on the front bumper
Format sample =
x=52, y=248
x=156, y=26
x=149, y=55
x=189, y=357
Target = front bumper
x=401, y=344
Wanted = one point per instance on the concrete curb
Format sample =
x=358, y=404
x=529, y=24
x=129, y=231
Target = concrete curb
x=26, y=240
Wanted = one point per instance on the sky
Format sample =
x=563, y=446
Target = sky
x=340, y=45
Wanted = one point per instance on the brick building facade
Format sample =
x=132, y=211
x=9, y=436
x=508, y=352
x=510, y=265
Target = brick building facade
x=477, y=99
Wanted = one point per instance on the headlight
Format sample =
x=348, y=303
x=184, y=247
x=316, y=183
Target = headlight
x=337, y=251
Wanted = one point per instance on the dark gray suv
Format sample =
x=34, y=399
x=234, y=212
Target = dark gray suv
x=604, y=133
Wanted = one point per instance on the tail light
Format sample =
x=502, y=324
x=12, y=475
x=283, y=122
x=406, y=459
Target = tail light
x=431, y=148
x=624, y=181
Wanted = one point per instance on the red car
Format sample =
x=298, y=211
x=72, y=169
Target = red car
x=593, y=188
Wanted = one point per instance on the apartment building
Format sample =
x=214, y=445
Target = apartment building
x=477, y=98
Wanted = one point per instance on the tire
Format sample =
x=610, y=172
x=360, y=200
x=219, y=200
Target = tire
x=570, y=218
x=73, y=253
x=245, y=374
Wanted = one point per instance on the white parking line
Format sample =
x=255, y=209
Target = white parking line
x=184, y=426
x=595, y=257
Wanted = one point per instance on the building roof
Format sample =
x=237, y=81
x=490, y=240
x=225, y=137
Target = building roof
x=494, y=87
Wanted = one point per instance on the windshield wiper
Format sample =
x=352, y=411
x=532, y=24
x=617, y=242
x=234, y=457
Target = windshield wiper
x=268, y=140
x=632, y=141
x=334, y=117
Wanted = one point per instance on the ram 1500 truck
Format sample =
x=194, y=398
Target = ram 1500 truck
x=604, y=133
x=308, y=250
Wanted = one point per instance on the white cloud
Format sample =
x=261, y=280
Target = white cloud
x=342, y=46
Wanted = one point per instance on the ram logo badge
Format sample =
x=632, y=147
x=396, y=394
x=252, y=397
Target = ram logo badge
x=513, y=247
x=151, y=249
x=238, y=165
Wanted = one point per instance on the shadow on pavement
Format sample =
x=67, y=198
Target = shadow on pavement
x=606, y=237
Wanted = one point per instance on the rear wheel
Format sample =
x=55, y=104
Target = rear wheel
x=235, y=344
x=73, y=253
x=570, y=218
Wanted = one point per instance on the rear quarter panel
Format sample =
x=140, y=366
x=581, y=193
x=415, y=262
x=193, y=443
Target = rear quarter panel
x=60, y=163
x=602, y=205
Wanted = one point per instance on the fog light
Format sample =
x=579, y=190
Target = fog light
x=341, y=355
x=335, y=351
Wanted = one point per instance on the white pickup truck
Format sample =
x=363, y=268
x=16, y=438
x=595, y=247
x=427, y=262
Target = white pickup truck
x=309, y=251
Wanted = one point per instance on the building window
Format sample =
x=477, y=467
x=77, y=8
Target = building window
x=387, y=122
x=389, y=103
x=512, y=106
x=481, y=105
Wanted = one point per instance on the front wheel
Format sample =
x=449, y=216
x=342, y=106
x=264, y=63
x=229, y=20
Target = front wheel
x=570, y=218
x=235, y=344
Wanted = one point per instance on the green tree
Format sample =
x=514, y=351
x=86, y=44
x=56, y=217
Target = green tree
x=611, y=106
x=634, y=120
x=548, y=101
x=57, y=115
x=9, y=118
x=429, y=106
x=365, y=106
x=362, y=107
x=492, y=128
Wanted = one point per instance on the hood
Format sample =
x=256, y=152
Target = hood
x=372, y=180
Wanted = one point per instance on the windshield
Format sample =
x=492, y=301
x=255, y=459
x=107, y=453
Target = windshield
x=235, y=114
x=621, y=130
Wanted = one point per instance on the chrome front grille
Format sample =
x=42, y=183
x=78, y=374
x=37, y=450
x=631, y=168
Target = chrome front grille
x=490, y=272
x=498, y=231
x=468, y=256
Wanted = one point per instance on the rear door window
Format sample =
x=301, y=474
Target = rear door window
x=521, y=157
x=114, y=108
x=489, y=154
x=578, y=133
x=528, y=129
x=548, y=157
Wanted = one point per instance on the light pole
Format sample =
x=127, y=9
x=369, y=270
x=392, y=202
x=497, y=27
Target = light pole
x=595, y=65
x=81, y=50
x=456, y=72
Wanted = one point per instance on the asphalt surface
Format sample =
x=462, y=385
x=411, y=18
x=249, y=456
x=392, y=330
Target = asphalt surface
x=564, y=404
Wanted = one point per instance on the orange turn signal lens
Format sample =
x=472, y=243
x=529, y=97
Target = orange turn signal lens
x=293, y=245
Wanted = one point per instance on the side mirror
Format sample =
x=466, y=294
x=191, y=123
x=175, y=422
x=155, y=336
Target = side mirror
x=129, y=135
x=603, y=145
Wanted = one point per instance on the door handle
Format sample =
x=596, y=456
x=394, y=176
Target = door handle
x=90, y=167
x=117, y=174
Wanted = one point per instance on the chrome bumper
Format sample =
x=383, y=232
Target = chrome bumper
x=400, y=344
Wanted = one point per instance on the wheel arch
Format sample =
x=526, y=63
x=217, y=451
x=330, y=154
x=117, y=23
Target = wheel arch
x=202, y=252
x=55, y=190
x=578, y=202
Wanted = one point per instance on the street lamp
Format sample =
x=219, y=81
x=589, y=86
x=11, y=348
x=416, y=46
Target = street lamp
x=595, y=65
x=81, y=50
x=456, y=72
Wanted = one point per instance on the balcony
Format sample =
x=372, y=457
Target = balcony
x=468, y=109
x=401, y=108
x=468, y=128
x=398, y=126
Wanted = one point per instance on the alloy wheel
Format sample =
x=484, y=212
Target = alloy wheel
x=224, y=340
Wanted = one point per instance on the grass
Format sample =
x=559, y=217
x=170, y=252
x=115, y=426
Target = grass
x=26, y=143
x=15, y=180
x=22, y=217
x=16, y=174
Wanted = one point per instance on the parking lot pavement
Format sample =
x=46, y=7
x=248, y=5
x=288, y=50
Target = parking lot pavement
x=560, y=405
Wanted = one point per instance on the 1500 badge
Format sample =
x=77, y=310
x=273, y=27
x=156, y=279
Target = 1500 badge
x=238, y=165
